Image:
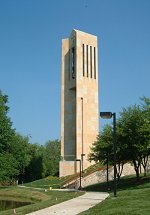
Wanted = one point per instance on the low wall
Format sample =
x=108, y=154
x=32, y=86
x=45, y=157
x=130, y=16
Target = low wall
x=101, y=176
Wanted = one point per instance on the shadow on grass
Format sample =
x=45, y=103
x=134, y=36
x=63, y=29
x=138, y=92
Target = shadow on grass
x=127, y=182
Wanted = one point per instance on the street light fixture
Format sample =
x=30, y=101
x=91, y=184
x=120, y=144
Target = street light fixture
x=109, y=115
x=80, y=173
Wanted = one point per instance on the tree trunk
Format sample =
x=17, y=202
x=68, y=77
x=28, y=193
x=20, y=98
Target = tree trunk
x=136, y=167
x=145, y=171
x=144, y=164
x=119, y=170
x=137, y=174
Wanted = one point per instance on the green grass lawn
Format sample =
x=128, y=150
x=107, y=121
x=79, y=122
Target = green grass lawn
x=133, y=198
x=39, y=198
x=46, y=183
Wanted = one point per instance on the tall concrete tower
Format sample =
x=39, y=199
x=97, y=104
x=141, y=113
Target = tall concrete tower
x=79, y=100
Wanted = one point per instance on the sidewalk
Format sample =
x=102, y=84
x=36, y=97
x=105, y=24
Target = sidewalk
x=74, y=206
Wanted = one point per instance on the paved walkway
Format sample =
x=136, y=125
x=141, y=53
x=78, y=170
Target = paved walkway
x=74, y=206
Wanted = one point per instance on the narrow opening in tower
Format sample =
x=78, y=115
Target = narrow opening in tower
x=87, y=58
x=83, y=57
x=91, y=60
x=73, y=62
x=94, y=62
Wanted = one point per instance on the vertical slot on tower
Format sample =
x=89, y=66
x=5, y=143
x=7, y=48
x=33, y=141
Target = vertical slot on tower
x=91, y=60
x=94, y=62
x=87, y=58
x=83, y=58
x=69, y=64
x=73, y=62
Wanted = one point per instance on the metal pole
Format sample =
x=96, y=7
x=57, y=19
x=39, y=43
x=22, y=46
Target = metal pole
x=82, y=135
x=82, y=171
x=80, y=175
x=82, y=165
x=114, y=143
x=107, y=172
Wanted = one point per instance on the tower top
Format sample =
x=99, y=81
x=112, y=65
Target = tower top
x=82, y=33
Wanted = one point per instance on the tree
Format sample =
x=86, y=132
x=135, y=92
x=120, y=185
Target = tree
x=132, y=121
x=121, y=150
x=20, y=159
x=133, y=139
x=8, y=163
x=52, y=157
x=21, y=151
x=36, y=168
x=145, y=132
x=6, y=131
x=8, y=167
x=102, y=149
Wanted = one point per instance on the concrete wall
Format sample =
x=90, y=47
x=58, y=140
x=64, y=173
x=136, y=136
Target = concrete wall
x=67, y=167
x=101, y=176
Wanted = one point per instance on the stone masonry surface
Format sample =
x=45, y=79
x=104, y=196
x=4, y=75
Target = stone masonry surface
x=79, y=100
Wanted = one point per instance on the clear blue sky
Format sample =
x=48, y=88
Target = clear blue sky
x=30, y=56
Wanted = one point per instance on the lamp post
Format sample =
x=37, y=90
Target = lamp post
x=82, y=155
x=82, y=122
x=109, y=115
x=107, y=172
x=80, y=173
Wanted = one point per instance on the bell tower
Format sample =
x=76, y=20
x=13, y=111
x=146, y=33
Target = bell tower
x=79, y=100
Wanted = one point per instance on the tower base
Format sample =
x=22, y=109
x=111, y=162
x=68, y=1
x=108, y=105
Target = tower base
x=67, y=168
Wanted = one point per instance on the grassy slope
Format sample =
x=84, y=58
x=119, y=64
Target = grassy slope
x=56, y=182
x=41, y=199
x=133, y=198
x=46, y=183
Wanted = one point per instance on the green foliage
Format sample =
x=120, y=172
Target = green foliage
x=8, y=164
x=133, y=139
x=35, y=169
x=145, y=131
x=102, y=149
x=8, y=167
x=134, y=123
x=22, y=153
x=103, y=146
x=21, y=160
x=6, y=132
x=52, y=157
